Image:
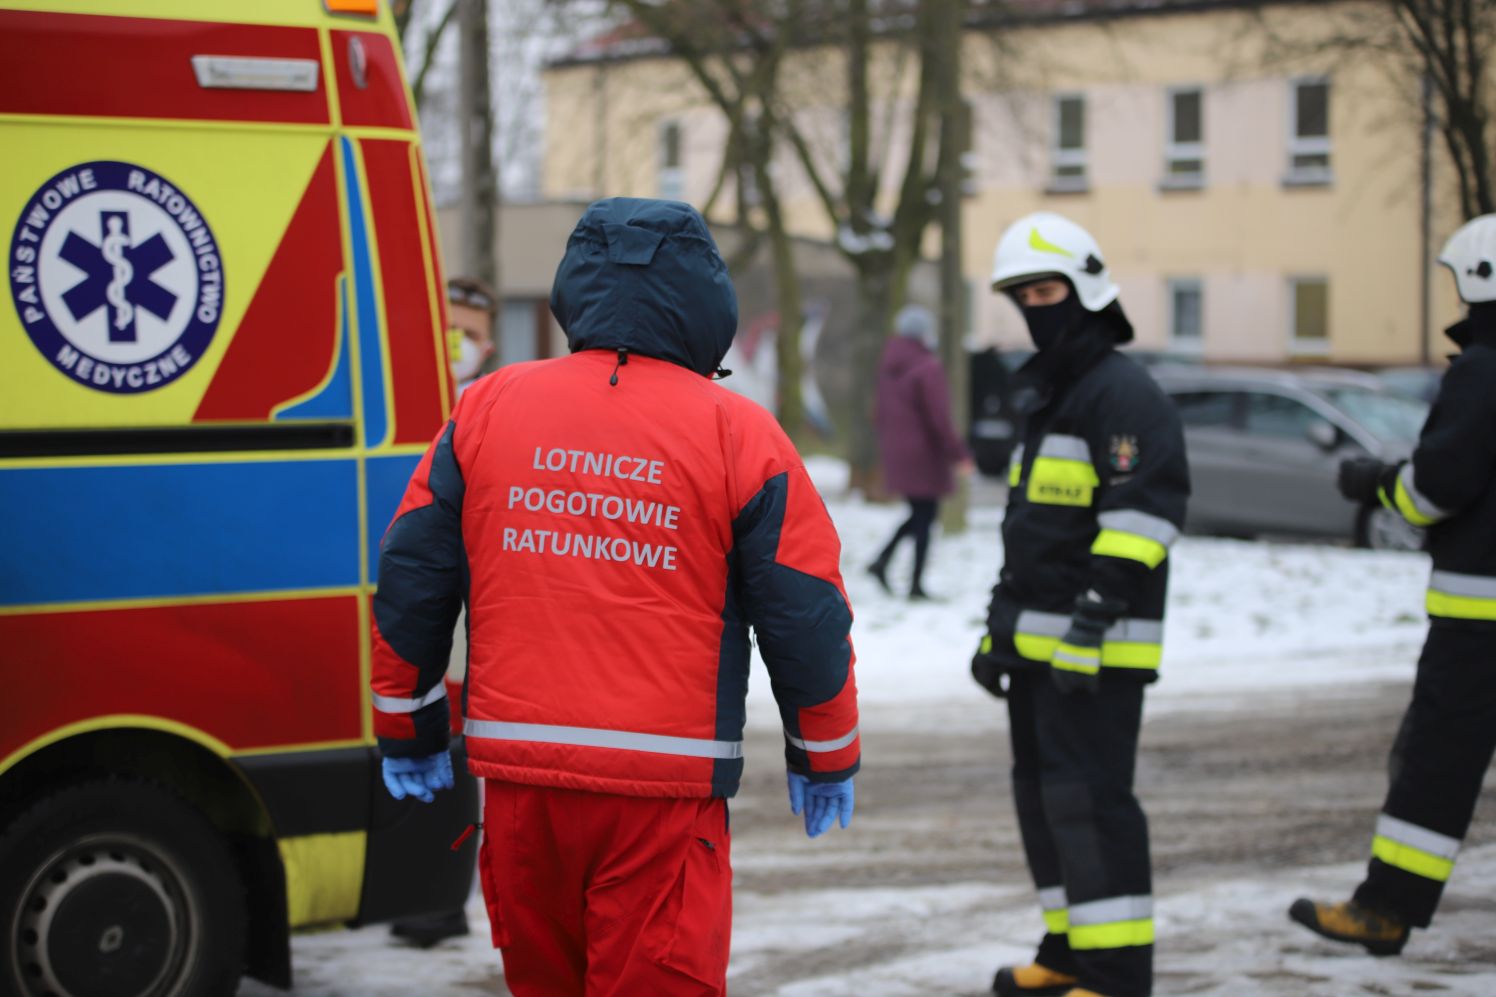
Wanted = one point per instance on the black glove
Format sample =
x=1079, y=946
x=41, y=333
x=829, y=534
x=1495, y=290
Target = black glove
x=1075, y=665
x=987, y=668
x=1360, y=477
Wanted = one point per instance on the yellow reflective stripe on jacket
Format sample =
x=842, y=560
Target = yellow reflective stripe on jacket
x=1461, y=597
x=1112, y=924
x=1406, y=846
x=1061, y=473
x=1056, y=909
x=1413, y=504
x=1015, y=467
x=1135, y=536
x=1126, y=644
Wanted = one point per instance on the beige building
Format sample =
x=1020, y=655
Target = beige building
x=1253, y=207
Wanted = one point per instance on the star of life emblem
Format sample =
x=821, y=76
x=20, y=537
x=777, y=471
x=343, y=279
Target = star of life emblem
x=116, y=277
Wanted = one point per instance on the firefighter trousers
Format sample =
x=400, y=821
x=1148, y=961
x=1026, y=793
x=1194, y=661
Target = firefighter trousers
x=592, y=894
x=1438, y=762
x=1084, y=832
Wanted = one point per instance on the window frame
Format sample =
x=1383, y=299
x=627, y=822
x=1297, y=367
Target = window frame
x=1185, y=344
x=670, y=178
x=1297, y=145
x=1060, y=158
x=1176, y=151
x=1300, y=347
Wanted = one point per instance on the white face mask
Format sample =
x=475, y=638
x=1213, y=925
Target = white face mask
x=469, y=359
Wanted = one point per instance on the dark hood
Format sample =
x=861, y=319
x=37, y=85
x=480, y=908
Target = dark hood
x=645, y=276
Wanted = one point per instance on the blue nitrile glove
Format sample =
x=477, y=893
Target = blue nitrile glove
x=823, y=802
x=418, y=777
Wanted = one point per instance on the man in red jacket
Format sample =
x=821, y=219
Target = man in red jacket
x=615, y=522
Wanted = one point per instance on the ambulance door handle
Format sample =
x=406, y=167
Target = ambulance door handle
x=236, y=72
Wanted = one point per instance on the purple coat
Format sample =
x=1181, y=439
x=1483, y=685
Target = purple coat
x=912, y=414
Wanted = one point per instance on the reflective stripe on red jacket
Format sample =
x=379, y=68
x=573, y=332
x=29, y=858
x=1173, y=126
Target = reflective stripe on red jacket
x=614, y=543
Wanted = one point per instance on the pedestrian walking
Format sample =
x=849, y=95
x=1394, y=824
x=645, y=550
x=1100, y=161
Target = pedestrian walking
x=1445, y=743
x=615, y=523
x=919, y=444
x=1098, y=487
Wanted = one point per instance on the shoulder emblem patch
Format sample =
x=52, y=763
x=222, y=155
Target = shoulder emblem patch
x=1124, y=451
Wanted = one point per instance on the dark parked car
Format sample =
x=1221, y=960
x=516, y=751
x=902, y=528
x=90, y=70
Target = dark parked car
x=1264, y=448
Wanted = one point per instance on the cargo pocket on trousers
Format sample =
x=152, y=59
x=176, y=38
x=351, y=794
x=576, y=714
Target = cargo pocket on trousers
x=489, y=883
x=691, y=928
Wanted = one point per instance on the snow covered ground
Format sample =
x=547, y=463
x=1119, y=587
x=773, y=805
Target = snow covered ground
x=1253, y=628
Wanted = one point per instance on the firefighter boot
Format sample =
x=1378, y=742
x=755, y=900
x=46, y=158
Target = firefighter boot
x=1032, y=980
x=1381, y=934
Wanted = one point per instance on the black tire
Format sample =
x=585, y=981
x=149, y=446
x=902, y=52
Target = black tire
x=117, y=887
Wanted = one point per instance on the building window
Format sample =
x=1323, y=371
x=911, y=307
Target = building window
x=672, y=177
x=1068, y=158
x=1309, y=132
x=1309, y=316
x=1186, y=314
x=1184, y=149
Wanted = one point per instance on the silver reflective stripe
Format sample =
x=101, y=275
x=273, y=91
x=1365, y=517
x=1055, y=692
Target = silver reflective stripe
x=1084, y=660
x=1141, y=523
x=835, y=745
x=1031, y=621
x=394, y=704
x=1136, y=632
x=1052, y=898
x=1017, y=457
x=230, y=72
x=1065, y=448
x=1111, y=911
x=593, y=737
x=1471, y=586
x=1125, y=631
x=1420, y=501
x=1417, y=837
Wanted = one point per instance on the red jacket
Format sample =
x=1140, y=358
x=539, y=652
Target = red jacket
x=614, y=542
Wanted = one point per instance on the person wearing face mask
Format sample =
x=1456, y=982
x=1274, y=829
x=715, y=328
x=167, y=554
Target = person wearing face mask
x=470, y=309
x=1448, y=734
x=1097, y=493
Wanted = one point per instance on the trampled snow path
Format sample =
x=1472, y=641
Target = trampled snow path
x=1255, y=630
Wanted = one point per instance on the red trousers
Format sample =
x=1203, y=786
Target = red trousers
x=591, y=894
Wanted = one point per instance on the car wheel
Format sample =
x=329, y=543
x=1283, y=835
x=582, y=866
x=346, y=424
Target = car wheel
x=1379, y=528
x=118, y=887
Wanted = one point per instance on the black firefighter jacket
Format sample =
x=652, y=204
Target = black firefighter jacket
x=1097, y=494
x=1449, y=484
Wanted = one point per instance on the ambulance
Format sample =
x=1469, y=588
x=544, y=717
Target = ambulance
x=222, y=353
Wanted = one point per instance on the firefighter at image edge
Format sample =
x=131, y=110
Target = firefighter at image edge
x=615, y=522
x=1097, y=493
x=1444, y=746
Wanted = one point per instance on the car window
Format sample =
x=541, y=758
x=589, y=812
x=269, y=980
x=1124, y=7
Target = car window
x=1279, y=416
x=1200, y=409
x=1387, y=415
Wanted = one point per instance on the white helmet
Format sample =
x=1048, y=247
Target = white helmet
x=1045, y=244
x=1471, y=254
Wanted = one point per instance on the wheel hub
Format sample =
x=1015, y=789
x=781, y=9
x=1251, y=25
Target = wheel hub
x=103, y=918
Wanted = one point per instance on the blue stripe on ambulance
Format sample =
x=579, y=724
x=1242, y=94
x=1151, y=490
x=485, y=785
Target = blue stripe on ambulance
x=370, y=357
x=138, y=531
x=335, y=400
x=386, y=478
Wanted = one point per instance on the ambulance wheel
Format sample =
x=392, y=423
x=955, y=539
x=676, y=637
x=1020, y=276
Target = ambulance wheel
x=117, y=887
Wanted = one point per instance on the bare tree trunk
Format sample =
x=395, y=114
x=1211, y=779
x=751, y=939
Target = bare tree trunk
x=480, y=191
x=874, y=316
x=945, y=38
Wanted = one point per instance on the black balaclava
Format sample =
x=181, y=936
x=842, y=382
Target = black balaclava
x=1479, y=326
x=1050, y=325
